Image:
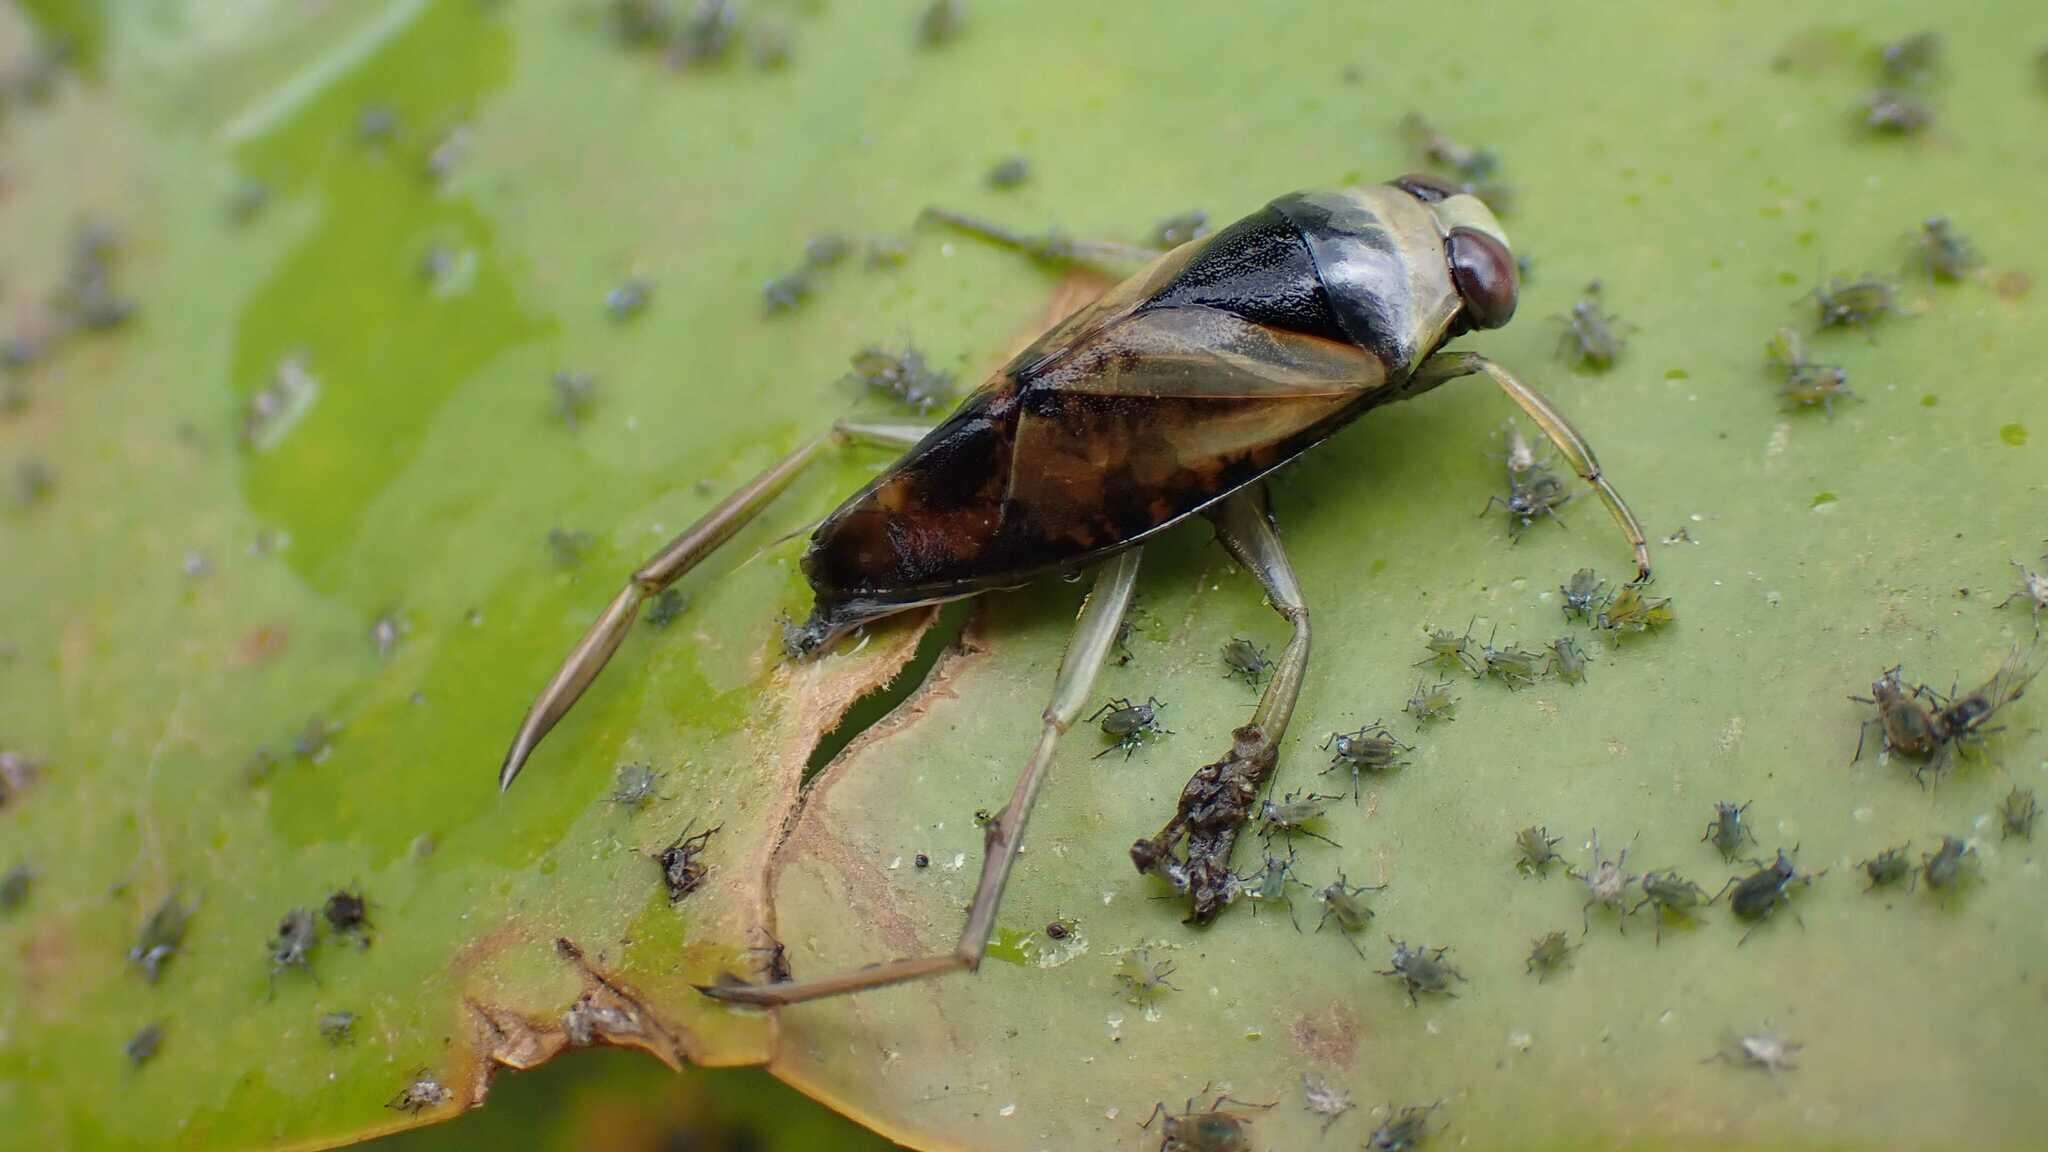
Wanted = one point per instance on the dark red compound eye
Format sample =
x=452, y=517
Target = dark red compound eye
x=1484, y=271
x=1426, y=188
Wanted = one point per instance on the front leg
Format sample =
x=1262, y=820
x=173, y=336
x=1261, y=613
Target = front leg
x=1218, y=801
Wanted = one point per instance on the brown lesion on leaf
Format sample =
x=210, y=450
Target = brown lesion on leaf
x=611, y=1012
x=501, y=1038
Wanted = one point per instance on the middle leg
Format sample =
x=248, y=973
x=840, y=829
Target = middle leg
x=1218, y=801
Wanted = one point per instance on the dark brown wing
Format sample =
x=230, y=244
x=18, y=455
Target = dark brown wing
x=1120, y=421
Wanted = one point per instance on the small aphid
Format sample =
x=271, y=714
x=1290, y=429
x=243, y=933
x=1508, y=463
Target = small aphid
x=567, y=547
x=1422, y=970
x=1547, y=953
x=1246, y=661
x=1606, y=887
x=1816, y=386
x=1448, y=647
x=34, y=480
x=1944, y=869
x=143, y=1045
x=1514, y=664
x=247, y=200
x=338, y=1027
x=292, y=947
x=901, y=376
x=1140, y=979
x=634, y=786
x=628, y=299
x=2016, y=814
x=1175, y=231
x=887, y=251
x=1437, y=148
x=1369, y=751
x=1908, y=59
x=1061, y=928
x=785, y=292
x=376, y=124
x=1761, y=893
x=1942, y=252
x=1582, y=594
x=1766, y=1050
x=1128, y=724
x=1431, y=702
x=1727, y=831
x=1895, y=112
x=1855, y=303
x=1120, y=645
x=705, y=35
x=1567, y=660
x=1670, y=896
x=1907, y=724
x=826, y=250
x=161, y=936
x=1541, y=494
x=1535, y=849
x=1592, y=339
x=346, y=911
x=1292, y=813
x=2033, y=590
x=681, y=869
x=1324, y=1099
x=575, y=395
x=315, y=739
x=1214, y=1130
x=384, y=633
x=668, y=605
x=1010, y=172
x=15, y=885
x=1888, y=868
x=1404, y=1130
x=1270, y=882
x=1628, y=610
x=421, y=1093
x=1345, y=903
x=941, y=22
x=448, y=153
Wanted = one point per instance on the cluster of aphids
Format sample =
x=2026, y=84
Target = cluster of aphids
x=705, y=34
x=1470, y=169
x=822, y=253
x=1927, y=727
x=1216, y=1128
x=1905, y=69
x=83, y=302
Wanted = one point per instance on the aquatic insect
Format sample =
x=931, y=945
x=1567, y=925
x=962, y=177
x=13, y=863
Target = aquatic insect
x=1606, y=886
x=1346, y=904
x=1568, y=660
x=420, y=1093
x=1404, y=1130
x=1855, y=303
x=1270, y=883
x=1009, y=172
x=1628, y=610
x=901, y=376
x=292, y=947
x=1210, y=1130
x=1592, y=339
x=1311, y=311
x=1887, y=868
x=2016, y=814
x=1291, y=814
x=337, y=1027
x=1942, y=252
x=1547, y=953
x=1670, y=895
x=1370, y=750
x=1944, y=868
x=1431, y=702
x=1246, y=661
x=1541, y=494
x=1448, y=647
x=1908, y=724
x=1175, y=231
x=161, y=936
x=143, y=1045
x=1128, y=724
x=1582, y=594
x=1766, y=1050
x=1727, y=831
x=1422, y=970
x=1761, y=893
x=1535, y=849
x=1896, y=112
x=1324, y=1099
x=682, y=867
x=1139, y=978
x=1514, y=664
x=2033, y=589
x=346, y=911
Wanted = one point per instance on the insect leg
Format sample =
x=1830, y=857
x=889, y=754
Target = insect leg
x=666, y=567
x=1093, y=636
x=1577, y=452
